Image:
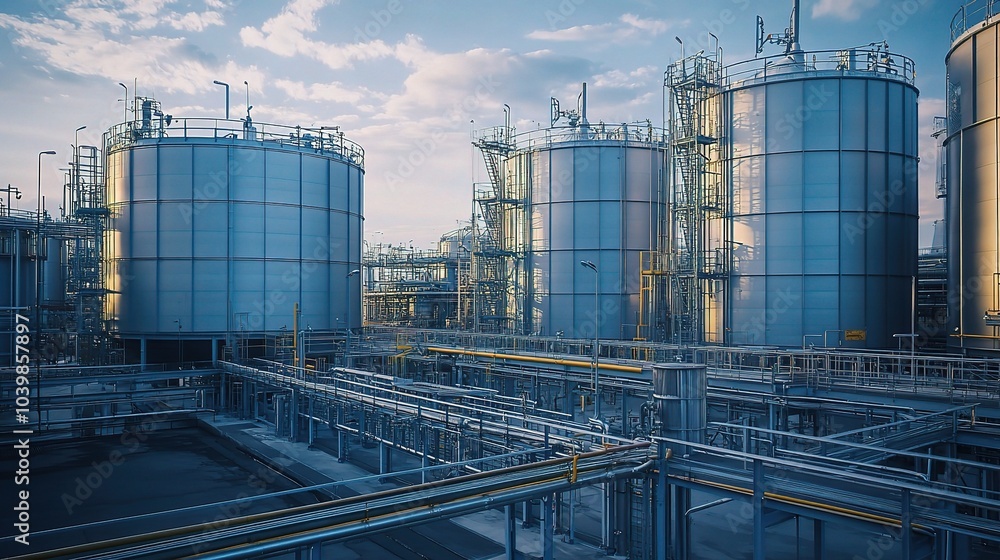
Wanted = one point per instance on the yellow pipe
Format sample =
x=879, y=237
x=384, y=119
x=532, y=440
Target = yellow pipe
x=986, y=336
x=812, y=505
x=536, y=359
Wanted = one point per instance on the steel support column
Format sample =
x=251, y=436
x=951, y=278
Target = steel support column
x=661, y=515
x=511, y=540
x=548, y=520
x=758, y=510
x=819, y=534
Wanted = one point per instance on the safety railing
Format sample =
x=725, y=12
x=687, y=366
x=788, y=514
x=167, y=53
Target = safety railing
x=973, y=13
x=638, y=134
x=322, y=140
x=866, y=60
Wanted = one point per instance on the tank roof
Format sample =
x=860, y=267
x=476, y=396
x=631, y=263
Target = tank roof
x=324, y=140
x=636, y=134
x=867, y=61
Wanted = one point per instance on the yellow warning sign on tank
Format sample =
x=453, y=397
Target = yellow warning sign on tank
x=855, y=334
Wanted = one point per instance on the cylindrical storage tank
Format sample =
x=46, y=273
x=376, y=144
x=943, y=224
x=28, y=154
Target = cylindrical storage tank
x=215, y=230
x=54, y=272
x=973, y=214
x=820, y=155
x=680, y=393
x=17, y=276
x=594, y=193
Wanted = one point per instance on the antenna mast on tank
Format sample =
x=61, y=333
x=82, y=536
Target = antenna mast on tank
x=789, y=37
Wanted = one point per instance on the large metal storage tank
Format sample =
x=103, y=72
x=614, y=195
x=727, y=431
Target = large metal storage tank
x=821, y=155
x=217, y=226
x=18, y=277
x=972, y=210
x=594, y=194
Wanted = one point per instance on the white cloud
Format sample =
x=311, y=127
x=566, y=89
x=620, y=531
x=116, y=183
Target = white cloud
x=332, y=92
x=847, y=10
x=628, y=26
x=287, y=35
x=94, y=43
x=645, y=77
x=195, y=21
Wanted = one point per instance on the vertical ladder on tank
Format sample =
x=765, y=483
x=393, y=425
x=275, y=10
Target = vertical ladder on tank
x=85, y=278
x=494, y=252
x=697, y=195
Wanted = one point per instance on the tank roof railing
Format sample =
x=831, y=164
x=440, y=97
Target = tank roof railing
x=321, y=140
x=858, y=61
x=973, y=13
x=637, y=134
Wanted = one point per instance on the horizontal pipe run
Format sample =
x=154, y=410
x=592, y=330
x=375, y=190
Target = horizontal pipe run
x=535, y=359
x=199, y=531
x=411, y=516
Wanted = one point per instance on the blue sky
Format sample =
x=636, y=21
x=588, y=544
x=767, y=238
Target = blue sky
x=404, y=78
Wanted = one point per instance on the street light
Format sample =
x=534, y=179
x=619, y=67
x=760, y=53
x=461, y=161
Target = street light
x=225, y=85
x=347, y=342
x=180, y=349
x=38, y=279
x=458, y=281
x=74, y=169
x=597, y=307
x=125, y=102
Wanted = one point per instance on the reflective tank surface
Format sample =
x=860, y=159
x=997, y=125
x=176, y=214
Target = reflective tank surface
x=594, y=195
x=218, y=229
x=822, y=163
x=972, y=204
x=680, y=392
x=17, y=276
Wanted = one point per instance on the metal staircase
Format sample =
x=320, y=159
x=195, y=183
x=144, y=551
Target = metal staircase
x=697, y=249
x=85, y=278
x=495, y=255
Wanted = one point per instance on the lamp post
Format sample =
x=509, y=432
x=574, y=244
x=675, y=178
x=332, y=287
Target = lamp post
x=458, y=281
x=38, y=283
x=225, y=85
x=347, y=340
x=124, y=103
x=180, y=349
x=10, y=189
x=75, y=170
x=597, y=310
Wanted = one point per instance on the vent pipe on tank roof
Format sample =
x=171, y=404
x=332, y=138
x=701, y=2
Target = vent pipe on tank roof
x=793, y=29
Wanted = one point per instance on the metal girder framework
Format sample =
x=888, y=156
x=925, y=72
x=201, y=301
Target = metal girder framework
x=696, y=249
x=414, y=288
x=499, y=249
x=85, y=279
